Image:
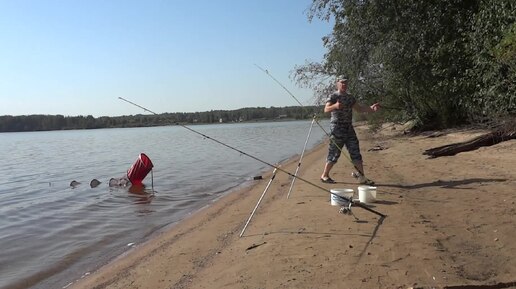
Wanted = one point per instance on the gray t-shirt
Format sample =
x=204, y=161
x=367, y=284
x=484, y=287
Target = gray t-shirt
x=344, y=115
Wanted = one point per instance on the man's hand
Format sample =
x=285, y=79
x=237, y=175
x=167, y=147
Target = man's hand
x=375, y=107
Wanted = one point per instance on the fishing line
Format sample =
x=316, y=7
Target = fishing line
x=371, y=87
x=263, y=162
x=316, y=121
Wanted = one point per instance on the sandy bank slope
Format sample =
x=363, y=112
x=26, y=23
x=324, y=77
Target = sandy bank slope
x=451, y=221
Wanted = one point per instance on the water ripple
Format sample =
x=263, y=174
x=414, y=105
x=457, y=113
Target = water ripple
x=51, y=233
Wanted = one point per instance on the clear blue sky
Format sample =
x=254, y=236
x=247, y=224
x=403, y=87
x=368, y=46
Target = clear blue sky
x=77, y=57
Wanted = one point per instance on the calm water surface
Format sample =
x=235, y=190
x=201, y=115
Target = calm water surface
x=52, y=234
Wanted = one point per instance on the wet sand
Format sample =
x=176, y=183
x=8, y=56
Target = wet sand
x=450, y=222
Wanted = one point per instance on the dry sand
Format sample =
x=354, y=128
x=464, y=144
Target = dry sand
x=450, y=222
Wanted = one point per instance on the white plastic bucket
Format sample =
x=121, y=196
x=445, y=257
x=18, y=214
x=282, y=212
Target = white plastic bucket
x=367, y=194
x=336, y=201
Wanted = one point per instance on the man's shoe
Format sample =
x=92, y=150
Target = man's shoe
x=328, y=180
x=365, y=181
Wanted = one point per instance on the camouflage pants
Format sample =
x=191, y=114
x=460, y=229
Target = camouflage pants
x=343, y=135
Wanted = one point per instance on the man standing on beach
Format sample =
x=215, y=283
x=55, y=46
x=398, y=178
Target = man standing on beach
x=341, y=105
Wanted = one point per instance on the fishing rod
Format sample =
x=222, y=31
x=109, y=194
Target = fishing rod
x=317, y=122
x=264, y=162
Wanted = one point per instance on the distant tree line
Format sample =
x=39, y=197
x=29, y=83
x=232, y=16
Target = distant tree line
x=439, y=63
x=59, y=122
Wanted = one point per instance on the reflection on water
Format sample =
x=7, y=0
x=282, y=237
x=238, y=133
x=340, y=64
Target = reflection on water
x=140, y=194
x=52, y=233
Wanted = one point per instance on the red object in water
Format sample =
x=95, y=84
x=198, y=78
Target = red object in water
x=139, y=169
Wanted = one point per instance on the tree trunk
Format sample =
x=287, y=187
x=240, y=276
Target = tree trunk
x=489, y=139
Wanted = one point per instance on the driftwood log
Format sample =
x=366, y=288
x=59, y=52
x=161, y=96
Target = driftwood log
x=506, y=132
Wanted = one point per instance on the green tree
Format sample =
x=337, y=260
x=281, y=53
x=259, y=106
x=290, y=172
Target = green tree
x=493, y=49
x=417, y=56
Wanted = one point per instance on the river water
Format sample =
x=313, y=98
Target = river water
x=52, y=234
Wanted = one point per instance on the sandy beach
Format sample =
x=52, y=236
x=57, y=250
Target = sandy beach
x=450, y=224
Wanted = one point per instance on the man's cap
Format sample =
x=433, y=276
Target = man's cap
x=342, y=77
